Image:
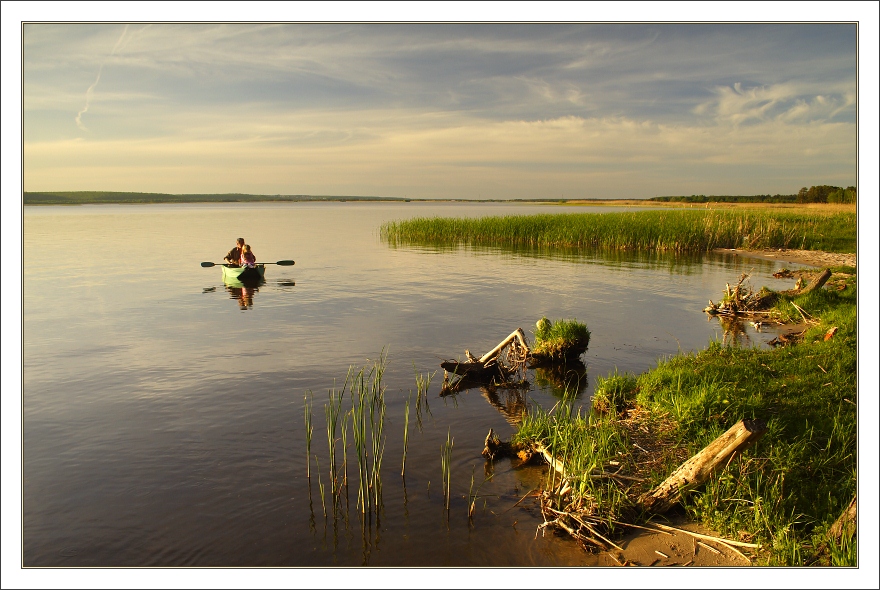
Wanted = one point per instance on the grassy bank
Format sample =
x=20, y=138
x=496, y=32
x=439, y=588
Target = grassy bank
x=786, y=490
x=679, y=230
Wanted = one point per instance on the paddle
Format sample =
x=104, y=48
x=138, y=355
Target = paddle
x=279, y=263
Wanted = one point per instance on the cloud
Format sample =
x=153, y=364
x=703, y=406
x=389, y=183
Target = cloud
x=91, y=89
x=785, y=101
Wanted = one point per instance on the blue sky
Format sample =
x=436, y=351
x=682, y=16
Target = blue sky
x=440, y=110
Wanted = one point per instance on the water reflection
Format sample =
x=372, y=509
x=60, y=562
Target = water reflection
x=673, y=262
x=564, y=379
x=735, y=333
x=243, y=291
x=509, y=401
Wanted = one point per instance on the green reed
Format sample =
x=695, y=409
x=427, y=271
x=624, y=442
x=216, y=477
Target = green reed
x=332, y=411
x=344, y=432
x=368, y=425
x=446, y=467
x=405, y=434
x=667, y=230
x=423, y=382
x=321, y=486
x=307, y=410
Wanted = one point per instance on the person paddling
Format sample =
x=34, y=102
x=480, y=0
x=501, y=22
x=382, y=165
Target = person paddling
x=233, y=257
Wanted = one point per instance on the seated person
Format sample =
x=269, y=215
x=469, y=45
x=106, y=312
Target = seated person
x=233, y=257
x=247, y=257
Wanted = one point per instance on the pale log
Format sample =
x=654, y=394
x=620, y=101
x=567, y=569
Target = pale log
x=518, y=334
x=846, y=521
x=701, y=466
x=486, y=364
x=817, y=282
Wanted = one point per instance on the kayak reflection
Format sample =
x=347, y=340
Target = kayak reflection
x=243, y=292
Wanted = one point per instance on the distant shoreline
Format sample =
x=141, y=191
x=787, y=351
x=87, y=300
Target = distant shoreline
x=120, y=198
x=132, y=198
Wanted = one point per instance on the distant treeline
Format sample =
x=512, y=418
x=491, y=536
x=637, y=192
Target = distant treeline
x=728, y=199
x=827, y=194
x=87, y=197
x=815, y=194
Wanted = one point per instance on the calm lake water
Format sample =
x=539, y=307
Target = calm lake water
x=163, y=415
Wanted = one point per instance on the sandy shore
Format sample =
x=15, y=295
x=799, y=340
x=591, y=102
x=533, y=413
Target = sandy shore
x=809, y=257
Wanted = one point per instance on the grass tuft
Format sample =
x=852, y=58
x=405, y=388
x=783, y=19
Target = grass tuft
x=560, y=340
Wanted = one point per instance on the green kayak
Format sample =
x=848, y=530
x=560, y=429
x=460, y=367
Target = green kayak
x=244, y=274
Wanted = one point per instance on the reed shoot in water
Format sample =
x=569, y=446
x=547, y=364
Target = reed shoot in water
x=321, y=486
x=307, y=407
x=446, y=466
x=405, y=434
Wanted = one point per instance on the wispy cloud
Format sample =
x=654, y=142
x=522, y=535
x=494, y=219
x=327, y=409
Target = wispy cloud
x=91, y=89
x=785, y=101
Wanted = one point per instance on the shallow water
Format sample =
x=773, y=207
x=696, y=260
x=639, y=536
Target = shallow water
x=163, y=411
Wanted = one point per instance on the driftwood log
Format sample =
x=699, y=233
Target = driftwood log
x=846, y=522
x=488, y=365
x=817, y=283
x=701, y=466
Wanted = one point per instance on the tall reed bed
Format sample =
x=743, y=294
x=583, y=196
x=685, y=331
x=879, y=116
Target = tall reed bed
x=668, y=230
x=362, y=425
x=368, y=425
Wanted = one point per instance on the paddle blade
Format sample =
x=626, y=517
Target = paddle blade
x=285, y=263
x=207, y=264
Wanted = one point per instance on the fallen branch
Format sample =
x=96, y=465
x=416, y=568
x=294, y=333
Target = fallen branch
x=817, y=282
x=489, y=366
x=846, y=521
x=665, y=528
x=701, y=466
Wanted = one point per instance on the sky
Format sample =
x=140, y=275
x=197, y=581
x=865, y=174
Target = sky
x=440, y=110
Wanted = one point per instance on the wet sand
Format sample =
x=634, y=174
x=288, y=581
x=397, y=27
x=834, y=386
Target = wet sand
x=810, y=257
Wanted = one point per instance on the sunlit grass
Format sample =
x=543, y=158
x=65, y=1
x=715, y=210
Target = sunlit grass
x=562, y=339
x=801, y=474
x=667, y=230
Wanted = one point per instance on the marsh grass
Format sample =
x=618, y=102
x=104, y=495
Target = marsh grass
x=666, y=230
